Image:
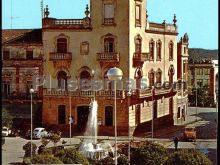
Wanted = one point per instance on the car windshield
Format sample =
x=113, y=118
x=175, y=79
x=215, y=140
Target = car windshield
x=189, y=129
x=36, y=130
x=4, y=129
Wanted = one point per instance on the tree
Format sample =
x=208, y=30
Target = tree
x=149, y=154
x=187, y=157
x=6, y=119
x=71, y=156
x=122, y=160
x=55, y=138
x=45, y=159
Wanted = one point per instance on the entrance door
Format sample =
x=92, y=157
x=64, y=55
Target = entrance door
x=82, y=117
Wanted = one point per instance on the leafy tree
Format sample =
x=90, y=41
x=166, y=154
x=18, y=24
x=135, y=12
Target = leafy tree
x=149, y=154
x=187, y=157
x=71, y=156
x=55, y=138
x=27, y=149
x=45, y=159
x=6, y=119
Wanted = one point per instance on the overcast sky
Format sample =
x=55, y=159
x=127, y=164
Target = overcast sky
x=199, y=18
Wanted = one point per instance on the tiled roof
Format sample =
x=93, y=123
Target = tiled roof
x=16, y=36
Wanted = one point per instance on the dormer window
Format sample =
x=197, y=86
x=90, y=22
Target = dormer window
x=61, y=45
x=108, y=14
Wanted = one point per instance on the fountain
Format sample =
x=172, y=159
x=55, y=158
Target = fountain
x=90, y=148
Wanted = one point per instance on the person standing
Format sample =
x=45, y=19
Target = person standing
x=176, y=140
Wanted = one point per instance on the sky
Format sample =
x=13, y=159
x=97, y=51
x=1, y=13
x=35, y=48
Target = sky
x=199, y=18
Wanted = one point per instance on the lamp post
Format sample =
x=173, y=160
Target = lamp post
x=129, y=136
x=31, y=92
x=70, y=118
x=115, y=74
x=152, y=121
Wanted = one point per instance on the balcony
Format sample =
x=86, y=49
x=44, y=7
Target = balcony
x=144, y=93
x=60, y=56
x=53, y=23
x=78, y=93
x=140, y=58
x=108, y=58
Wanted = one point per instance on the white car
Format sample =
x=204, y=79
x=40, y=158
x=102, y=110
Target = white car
x=6, y=131
x=39, y=133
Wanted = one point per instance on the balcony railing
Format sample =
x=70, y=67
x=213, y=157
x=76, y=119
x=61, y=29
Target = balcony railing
x=108, y=56
x=144, y=92
x=109, y=21
x=141, y=57
x=162, y=27
x=60, y=56
x=79, y=93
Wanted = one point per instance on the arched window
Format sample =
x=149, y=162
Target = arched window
x=61, y=45
x=109, y=116
x=62, y=80
x=138, y=45
x=159, y=45
x=151, y=78
x=171, y=73
x=85, y=79
x=151, y=49
x=109, y=45
x=171, y=50
x=159, y=76
x=138, y=76
x=108, y=85
x=61, y=114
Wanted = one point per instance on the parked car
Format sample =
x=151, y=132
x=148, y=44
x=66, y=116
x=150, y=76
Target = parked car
x=39, y=133
x=189, y=134
x=6, y=131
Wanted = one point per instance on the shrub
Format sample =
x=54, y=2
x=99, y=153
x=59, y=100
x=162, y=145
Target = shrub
x=187, y=157
x=106, y=161
x=27, y=149
x=55, y=138
x=45, y=141
x=46, y=159
x=122, y=160
x=149, y=154
x=71, y=156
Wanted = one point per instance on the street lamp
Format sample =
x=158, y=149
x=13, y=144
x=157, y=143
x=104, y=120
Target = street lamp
x=70, y=117
x=129, y=136
x=31, y=92
x=115, y=74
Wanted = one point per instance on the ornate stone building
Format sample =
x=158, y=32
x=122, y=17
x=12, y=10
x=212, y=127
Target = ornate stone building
x=114, y=33
x=182, y=76
x=22, y=59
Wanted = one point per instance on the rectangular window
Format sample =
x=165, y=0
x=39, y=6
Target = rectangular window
x=61, y=114
x=138, y=15
x=109, y=116
x=6, y=54
x=199, y=71
x=109, y=45
x=206, y=71
x=178, y=113
x=108, y=14
x=6, y=89
x=29, y=54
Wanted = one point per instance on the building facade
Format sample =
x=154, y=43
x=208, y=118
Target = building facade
x=204, y=73
x=22, y=60
x=118, y=35
x=182, y=76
